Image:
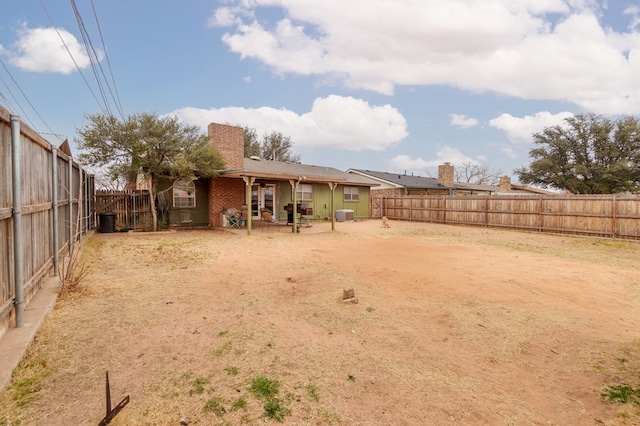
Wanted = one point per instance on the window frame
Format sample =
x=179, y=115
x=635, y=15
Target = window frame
x=300, y=192
x=351, y=193
x=184, y=194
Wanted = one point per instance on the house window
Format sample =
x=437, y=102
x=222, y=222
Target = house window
x=184, y=193
x=352, y=193
x=304, y=192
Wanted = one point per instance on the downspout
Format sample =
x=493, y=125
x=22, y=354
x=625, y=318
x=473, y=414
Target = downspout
x=18, y=254
x=54, y=210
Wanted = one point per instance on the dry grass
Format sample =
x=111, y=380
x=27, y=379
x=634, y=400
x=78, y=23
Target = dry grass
x=187, y=323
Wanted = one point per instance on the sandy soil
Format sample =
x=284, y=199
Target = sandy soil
x=454, y=325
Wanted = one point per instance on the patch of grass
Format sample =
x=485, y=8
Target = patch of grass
x=239, y=404
x=276, y=409
x=223, y=333
x=370, y=309
x=215, y=405
x=622, y=394
x=225, y=348
x=232, y=371
x=329, y=417
x=29, y=378
x=263, y=387
x=312, y=391
x=199, y=385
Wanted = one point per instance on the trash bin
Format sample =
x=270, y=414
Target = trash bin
x=107, y=222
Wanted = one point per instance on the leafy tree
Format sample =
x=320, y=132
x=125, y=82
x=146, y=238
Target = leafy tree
x=251, y=144
x=274, y=146
x=146, y=143
x=479, y=174
x=588, y=154
x=277, y=147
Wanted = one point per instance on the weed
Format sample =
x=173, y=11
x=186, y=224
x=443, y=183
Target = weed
x=224, y=349
x=263, y=387
x=351, y=378
x=370, y=309
x=312, y=391
x=329, y=417
x=215, y=405
x=223, y=333
x=275, y=409
x=232, y=371
x=199, y=385
x=72, y=272
x=239, y=404
x=621, y=394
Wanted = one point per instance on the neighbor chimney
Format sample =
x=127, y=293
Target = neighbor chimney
x=445, y=175
x=229, y=141
x=505, y=184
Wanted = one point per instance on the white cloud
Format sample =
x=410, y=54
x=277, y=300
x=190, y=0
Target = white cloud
x=444, y=154
x=520, y=129
x=532, y=49
x=462, y=121
x=42, y=50
x=333, y=122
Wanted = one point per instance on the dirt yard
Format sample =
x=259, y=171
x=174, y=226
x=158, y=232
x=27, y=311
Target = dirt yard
x=454, y=325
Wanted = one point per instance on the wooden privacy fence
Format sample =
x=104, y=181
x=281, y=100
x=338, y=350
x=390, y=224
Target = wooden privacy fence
x=132, y=209
x=612, y=216
x=54, y=199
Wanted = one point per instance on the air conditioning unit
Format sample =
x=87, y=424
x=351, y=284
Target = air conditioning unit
x=343, y=215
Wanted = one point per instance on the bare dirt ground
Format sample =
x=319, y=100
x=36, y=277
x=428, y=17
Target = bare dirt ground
x=454, y=325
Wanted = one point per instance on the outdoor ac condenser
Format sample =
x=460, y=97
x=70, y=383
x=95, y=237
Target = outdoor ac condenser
x=342, y=215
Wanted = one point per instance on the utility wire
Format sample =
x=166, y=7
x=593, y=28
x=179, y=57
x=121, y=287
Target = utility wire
x=116, y=99
x=72, y=58
x=25, y=97
x=91, y=53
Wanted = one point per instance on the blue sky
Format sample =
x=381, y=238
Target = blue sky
x=386, y=85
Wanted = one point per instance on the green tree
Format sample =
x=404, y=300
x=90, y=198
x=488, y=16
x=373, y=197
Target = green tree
x=145, y=143
x=251, y=144
x=274, y=146
x=277, y=147
x=588, y=154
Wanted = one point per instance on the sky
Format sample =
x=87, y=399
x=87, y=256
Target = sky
x=384, y=85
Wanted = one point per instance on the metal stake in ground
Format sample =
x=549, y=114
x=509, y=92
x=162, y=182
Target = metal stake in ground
x=112, y=413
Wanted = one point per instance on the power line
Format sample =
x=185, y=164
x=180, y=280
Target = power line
x=106, y=55
x=25, y=97
x=72, y=58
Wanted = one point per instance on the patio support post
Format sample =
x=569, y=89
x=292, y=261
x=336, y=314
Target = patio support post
x=248, y=181
x=332, y=187
x=18, y=252
x=294, y=190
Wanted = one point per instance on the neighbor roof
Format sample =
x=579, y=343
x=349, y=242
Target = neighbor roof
x=402, y=180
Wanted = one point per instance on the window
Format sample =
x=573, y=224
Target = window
x=184, y=193
x=304, y=192
x=352, y=193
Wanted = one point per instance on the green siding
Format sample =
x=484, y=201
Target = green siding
x=199, y=213
x=321, y=203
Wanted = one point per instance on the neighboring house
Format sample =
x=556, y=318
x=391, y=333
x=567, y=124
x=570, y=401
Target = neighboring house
x=399, y=184
x=264, y=184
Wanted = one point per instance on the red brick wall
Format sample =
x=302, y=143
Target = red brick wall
x=224, y=193
x=229, y=140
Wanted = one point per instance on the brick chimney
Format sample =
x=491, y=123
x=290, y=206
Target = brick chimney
x=445, y=175
x=505, y=184
x=229, y=140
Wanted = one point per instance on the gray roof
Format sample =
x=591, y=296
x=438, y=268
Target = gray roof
x=403, y=180
x=281, y=170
